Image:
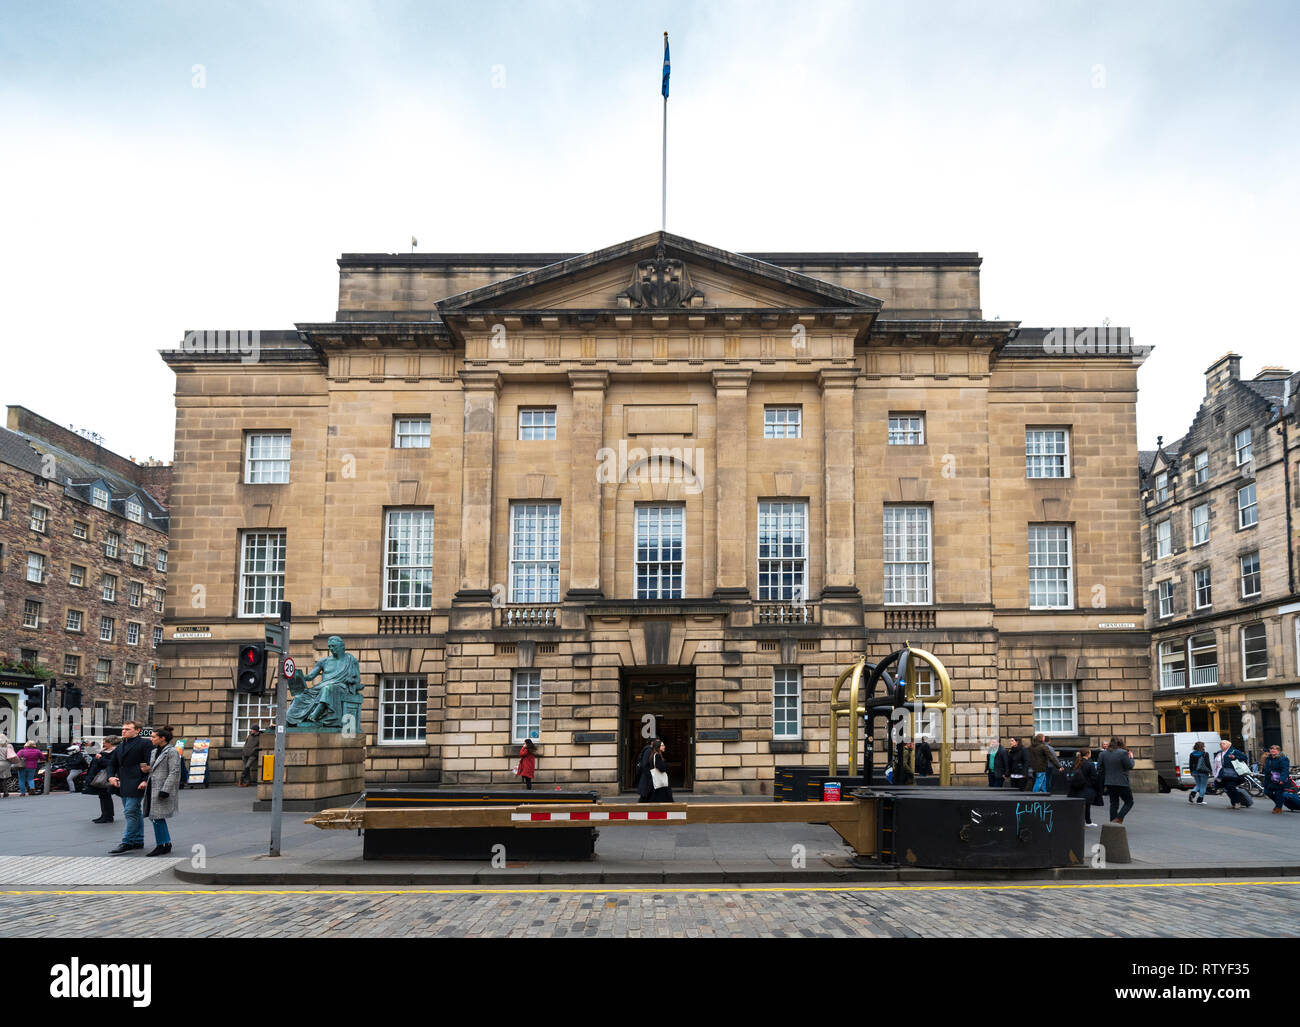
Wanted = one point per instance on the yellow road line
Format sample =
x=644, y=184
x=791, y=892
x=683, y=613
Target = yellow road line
x=615, y=890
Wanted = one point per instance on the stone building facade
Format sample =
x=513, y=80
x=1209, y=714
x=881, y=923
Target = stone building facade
x=83, y=571
x=1222, y=507
x=660, y=486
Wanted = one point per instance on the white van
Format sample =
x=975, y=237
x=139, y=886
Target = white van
x=1173, y=750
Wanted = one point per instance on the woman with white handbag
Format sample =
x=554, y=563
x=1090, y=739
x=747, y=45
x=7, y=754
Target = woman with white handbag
x=1228, y=776
x=657, y=767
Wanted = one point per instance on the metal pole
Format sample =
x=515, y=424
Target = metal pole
x=281, y=718
x=664, y=210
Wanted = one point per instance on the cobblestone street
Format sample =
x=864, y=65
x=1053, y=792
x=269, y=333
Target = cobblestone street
x=985, y=911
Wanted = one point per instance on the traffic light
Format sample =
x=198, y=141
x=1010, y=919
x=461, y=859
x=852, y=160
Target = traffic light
x=71, y=698
x=252, y=669
x=35, y=697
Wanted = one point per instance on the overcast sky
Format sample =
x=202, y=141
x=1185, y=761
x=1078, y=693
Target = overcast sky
x=202, y=165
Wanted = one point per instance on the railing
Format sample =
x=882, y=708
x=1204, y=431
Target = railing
x=909, y=620
x=1173, y=679
x=786, y=613
x=1205, y=675
x=404, y=624
x=520, y=616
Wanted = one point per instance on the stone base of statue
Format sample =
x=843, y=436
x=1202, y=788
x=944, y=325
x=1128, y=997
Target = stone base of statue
x=322, y=770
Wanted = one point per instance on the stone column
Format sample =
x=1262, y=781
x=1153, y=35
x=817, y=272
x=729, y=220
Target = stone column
x=730, y=461
x=582, y=520
x=840, y=573
x=478, y=476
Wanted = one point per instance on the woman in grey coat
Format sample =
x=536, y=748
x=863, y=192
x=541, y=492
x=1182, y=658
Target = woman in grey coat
x=164, y=786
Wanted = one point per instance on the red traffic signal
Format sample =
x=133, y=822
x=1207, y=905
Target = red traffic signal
x=251, y=677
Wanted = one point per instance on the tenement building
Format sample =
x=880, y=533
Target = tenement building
x=1222, y=505
x=83, y=573
x=658, y=487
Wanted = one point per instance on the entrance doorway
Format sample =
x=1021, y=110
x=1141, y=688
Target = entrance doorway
x=659, y=703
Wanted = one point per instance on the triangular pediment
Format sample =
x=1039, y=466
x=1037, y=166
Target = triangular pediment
x=659, y=272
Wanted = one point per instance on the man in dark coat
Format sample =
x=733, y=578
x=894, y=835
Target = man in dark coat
x=1041, y=760
x=127, y=767
x=924, y=758
x=1017, y=766
x=997, y=768
x=644, y=787
x=105, y=794
x=1116, y=762
x=251, y=744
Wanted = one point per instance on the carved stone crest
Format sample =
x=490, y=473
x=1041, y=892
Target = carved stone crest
x=661, y=282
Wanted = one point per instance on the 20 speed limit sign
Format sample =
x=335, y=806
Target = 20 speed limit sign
x=289, y=667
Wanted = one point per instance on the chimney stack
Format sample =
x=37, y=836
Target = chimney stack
x=1220, y=373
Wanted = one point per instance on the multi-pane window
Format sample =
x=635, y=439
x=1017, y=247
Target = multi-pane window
x=1054, y=708
x=1201, y=585
x=1165, y=590
x=80, y=529
x=1254, y=651
x=103, y=669
x=108, y=591
x=534, y=552
x=159, y=595
x=782, y=422
x=129, y=676
x=1201, y=468
x=1250, y=575
x=112, y=542
x=907, y=429
x=71, y=665
x=1164, y=539
x=138, y=554
x=408, y=560
x=35, y=567
x=135, y=594
x=1047, y=453
x=4, y=504
x=536, y=424
x=907, y=555
x=527, y=713
x=261, y=575
x=39, y=516
x=403, y=702
x=1162, y=486
x=157, y=636
x=411, y=432
x=1051, y=571
x=785, y=702
x=99, y=497
x=1200, y=524
x=77, y=575
x=659, y=541
x=106, y=625
x=1247, y=509
x=250, y=710
x=31, y=613
x=1205, y=658
x=29, y=657
x=783, y=551
x=266, y=458
x=134, y=511
x=132, y=633
x=1173, y=664
x=162, y=560
x=1241, y=444
x=73, y=622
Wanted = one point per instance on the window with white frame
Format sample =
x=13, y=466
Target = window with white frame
x=106, y=626
x=1201, y=468
x=534, y=552
x=35, y=567
x=132, y=633
x=112, y=542
x=1047, y=453
x=129, y=708
x=134, y=511
x=38, y=519
x=77, y=575
x=907, y=555
x=71, y=665
x=907, y=429
x=1247, y=509
x=1250, y=575
x=80, y=529
x=1054, y=708
x=250, y=710
x=31, y=613
x=783, y=551
x=786, y=702
x=74, y=621
x=99, y=498
x=1201, y=587
x=1162, y=486
x=1164, y=539
x=103, y=670
x=924, y=723
x=266, y=458
x=157, y=636
x=1173, y=664
x=4, y=505
x=159, y=595
x=536, y=424
x=411, y=432
x=138, y=554
x=1051, y=567
x=135, y=594
x=659, y=543
x=30, y=657
x=1204, y=652
x=403, y=704
x=408, y=560
x=1200, y=524
x=527, y=712
x=1254, y=652
x=129, y=675
x=162, y=561
x=261, y=573
x=1165, y=590
x=782, y=422
x=1241, y=444
x=108, y=589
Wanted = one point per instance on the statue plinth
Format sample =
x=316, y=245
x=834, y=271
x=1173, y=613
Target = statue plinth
x=321, y=768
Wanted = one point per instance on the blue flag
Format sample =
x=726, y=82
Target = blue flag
x=667, y=66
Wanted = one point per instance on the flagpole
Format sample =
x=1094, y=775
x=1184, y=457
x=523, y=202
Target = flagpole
x=664, y=179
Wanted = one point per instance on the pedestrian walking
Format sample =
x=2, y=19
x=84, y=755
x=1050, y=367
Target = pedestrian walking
x=1083, y=783
x=1227, y=777
x=248, y=775
x=997, y=767
x=162, y=797
x=28, y=759
x=1276, y=771
x=923, y=758
x=8, y=758
x=1201, y=768
x=128, y=766
x=1116, y=762
x=657, y=771
x=1018, y=765
x=526, y=768
x=97, y=780
x=644, y=786
x=1041, y=760
x=1053, y=766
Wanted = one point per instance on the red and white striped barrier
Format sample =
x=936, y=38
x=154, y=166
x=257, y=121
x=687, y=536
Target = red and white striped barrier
x=598, y=815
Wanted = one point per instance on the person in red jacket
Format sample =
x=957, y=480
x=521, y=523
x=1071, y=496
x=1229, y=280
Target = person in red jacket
x=527, y=762
x=29, y=758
